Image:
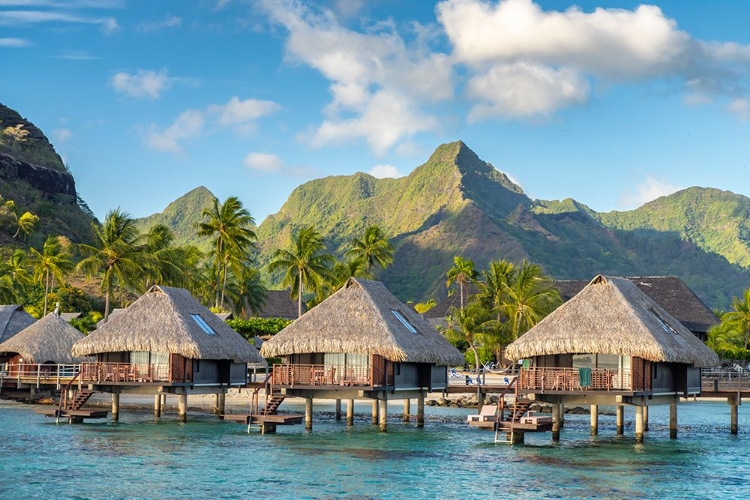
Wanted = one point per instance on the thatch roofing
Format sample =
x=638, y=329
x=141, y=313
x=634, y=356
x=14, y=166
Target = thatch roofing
x=162, y=320
x=359, y=319
x=13, y=319
x=670, y=292
x=71, y=316
x=278, y=304
x=613, y=316
x=48, y=340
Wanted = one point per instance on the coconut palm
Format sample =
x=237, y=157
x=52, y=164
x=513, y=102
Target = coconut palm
x=461, y=273
x=26, y=224
x=306, y=265
x=52, y=263
x=246, y=290
x=734, y=329
x=228, y=224
x=17, y=269
x=373, y=249
x=120, y=258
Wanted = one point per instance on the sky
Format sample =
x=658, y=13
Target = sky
x=612, y=103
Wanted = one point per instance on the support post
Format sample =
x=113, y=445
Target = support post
x=115, y=406
x=515, y=437
x=157, y=405
x=733, y=414
x=350, y=412
x=639, y=424
x=594, y=420
x=420, y=410
x=338, y=410
x=407, y=409
x=619, y=418
x=645, y=418
x=308, y=413
x=384, y=414
x=266, y=428
x=216, y=404
x=164, y=400
x=182, y=407
x=562, y=415
x=556, y=422
x=222, y=397
x=374, y=412
x=673, y=419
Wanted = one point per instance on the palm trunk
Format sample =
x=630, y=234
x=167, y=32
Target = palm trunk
x=218, y=272
x=480, y=403
x=106, y=306
x=46, y=292
x=299, y=298
x=224, y=284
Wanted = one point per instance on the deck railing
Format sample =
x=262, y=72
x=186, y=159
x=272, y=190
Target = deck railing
x=718, y=379
x=568, y=379
x=322, y=375
x=125, y=372
x=38, y=375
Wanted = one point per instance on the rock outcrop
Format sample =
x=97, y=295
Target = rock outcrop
x=49, y=181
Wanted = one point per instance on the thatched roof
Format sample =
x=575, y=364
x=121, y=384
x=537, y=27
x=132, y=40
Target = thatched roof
x=162, y=320
x=71, y=316
x=670, y=292
x=48, y=340
x=278, y=304
x=360, y=319
x=613, y=316
x=13, y=319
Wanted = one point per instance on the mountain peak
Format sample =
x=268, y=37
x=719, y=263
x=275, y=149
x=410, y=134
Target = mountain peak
x=22, y=140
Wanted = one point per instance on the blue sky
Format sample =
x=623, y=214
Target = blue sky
x=610, y=103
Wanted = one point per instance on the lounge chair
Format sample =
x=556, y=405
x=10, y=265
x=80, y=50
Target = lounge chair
x=452, y=373
x=486, y=414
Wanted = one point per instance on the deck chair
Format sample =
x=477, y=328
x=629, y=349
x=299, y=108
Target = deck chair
x=452, y=373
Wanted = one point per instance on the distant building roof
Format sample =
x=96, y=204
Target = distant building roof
x=279, y=304
x=13, y=319
x=72, y=315
x=48, y=340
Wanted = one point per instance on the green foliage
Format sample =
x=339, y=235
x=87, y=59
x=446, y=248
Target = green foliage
x=262, y=327
x=486, y=355
x=87, y=323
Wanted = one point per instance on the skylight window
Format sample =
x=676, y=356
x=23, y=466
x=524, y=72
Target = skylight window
x=667, y=328
x=202, y=323
x=404, y=321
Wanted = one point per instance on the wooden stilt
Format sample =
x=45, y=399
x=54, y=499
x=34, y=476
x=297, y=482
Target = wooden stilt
x=515, y=437
x=562, y=415
x=594, y=420
x=182, y=407
x=645, y=418
x=374, y=412
x=555, y=422
x=619, y=418
x=673, y=419
x=308, y=413
x=420, y=410
x=350, y=412
x=163, y=401
x=216, y=403
x=157, y=405
x=639, y=424
x=115, y=406
x=407, y=409
x=384, y=414
x=338, y=410
x=222, y=396
x=733, y=416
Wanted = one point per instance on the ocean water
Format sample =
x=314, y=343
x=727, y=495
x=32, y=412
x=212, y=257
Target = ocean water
x=140, y=457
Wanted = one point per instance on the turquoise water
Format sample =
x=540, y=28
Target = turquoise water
x=207, y=458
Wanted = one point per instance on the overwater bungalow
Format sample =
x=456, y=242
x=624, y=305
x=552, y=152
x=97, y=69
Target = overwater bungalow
x=166, y=342
x=361, y=343
x=13, y=319
x=611, y=344
x=38, y=358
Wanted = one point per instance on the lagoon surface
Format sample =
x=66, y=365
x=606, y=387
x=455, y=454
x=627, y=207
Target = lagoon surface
x=140, y=457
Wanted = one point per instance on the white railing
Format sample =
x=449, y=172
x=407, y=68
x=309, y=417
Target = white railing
x=38, y=375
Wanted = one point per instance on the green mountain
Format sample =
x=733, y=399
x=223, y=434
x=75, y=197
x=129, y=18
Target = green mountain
x=457, y=204
x=182, y=216
x=33, y=176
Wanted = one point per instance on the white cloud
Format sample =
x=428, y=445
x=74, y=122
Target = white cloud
x=383, y=171
x=187, y=126
x=77, y=55
x=648, y=190
x=16, y=17
x=167, y=22
x=144, y=83
x=521, y=89
x=365, y=69
x=14, y=42
x=62, y=135
x=236, y=112
x=263, y=162
x=741, y=108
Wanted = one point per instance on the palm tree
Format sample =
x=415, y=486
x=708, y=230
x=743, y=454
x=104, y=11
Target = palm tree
x=461, y=273
x=168, y=264
x=121, y=257
x=246, y=290
x=305, y=266
x=26, y=224
x=16, y=268
x=52, y=263
x=734, y=328
x=228, y=224
x=372, y=249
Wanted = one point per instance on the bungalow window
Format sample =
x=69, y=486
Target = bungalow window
x=202, y=323
x=404, y=321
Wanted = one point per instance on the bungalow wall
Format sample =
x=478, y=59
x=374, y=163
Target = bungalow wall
x=215, y=372
x=406, y=375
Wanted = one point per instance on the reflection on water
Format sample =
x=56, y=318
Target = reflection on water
x=206, y=458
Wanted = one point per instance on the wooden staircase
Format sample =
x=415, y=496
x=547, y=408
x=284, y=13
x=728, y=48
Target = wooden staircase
x=273, y=403
x=517, y=410
x=79, y=399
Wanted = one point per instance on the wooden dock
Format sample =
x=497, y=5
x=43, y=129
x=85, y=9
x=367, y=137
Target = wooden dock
x=72, y=415
x=267, y=423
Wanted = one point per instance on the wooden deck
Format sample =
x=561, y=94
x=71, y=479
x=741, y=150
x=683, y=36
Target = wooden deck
x=73, y=415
